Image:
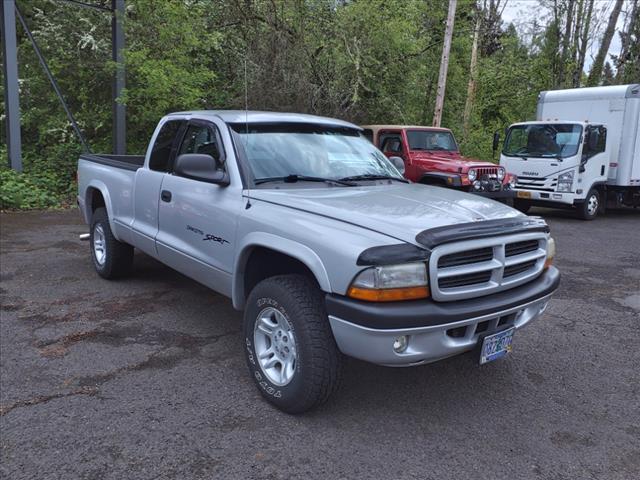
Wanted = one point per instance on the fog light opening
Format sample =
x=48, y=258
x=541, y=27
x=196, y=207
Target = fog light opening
x=400, y=344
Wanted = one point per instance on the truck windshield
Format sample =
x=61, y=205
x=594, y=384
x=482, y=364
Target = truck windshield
x=543, y=140
x=426, y=140
x=309, y=150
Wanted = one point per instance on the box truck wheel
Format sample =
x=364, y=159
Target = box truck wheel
x=588, y=210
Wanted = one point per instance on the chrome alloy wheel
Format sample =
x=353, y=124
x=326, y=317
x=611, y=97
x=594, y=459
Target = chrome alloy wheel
x=99, y=244
x=592, y=205
x=275, y=346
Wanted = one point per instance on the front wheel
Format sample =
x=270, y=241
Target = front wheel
x=290, y=350
x=588, y=210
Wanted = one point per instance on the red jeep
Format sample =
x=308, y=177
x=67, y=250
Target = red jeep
x=431, y=156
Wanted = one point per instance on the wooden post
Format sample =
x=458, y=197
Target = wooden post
x=444, y=64
x=471, y=88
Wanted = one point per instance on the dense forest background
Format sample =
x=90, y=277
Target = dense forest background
x=368, y=61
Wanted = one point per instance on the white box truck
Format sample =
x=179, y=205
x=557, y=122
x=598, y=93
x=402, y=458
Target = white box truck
x=583, y=151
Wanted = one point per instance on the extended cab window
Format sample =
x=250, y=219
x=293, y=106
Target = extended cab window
x=201, y=138
x=161, y=151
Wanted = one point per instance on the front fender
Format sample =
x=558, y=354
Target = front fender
x=280, y=244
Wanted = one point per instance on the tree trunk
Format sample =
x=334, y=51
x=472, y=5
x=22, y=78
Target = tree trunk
x=577, y=73
x=444, y=64
x=565, y=44
x=626, y=40
x=471, y=88
x=596, y=69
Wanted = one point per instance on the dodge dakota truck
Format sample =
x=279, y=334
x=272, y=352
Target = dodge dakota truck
x=316, y=236
x=431, y=155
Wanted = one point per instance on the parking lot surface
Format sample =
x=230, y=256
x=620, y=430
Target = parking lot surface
x=145, y=378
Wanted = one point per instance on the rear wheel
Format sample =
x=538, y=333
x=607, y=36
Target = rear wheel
x=111, y=258
x=588, y=210
x=291, y=353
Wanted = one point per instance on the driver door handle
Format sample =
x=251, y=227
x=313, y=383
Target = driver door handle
x=165, y=196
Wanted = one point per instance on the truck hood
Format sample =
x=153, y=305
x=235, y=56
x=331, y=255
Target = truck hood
x=454, y=160
x=399, y=210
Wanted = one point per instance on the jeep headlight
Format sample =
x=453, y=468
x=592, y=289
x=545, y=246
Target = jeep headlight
x=391, y=283
x=565, y=182
x=501, y=174
x=471, y=174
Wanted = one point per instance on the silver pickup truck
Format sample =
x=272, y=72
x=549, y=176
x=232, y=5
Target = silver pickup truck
x=328, y=250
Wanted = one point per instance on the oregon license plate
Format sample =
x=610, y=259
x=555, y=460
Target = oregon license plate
x=496, y=346
x=521, y=194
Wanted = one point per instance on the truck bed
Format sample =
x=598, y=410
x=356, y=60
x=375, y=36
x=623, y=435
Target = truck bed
x=128, y=162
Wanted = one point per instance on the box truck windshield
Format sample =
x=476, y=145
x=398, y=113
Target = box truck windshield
x=543, y=140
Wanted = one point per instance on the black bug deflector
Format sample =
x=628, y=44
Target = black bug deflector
x=489, y=228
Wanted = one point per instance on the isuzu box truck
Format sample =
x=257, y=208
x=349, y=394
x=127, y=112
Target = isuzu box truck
x=583, y=151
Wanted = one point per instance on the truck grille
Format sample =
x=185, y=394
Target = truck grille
x=479, y=267
x=537, y=183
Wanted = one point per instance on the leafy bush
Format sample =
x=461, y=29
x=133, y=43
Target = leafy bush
x=30, y=190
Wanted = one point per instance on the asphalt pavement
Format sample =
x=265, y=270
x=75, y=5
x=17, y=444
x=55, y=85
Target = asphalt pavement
x=145, y=378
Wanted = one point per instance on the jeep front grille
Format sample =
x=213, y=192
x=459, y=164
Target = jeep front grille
x=479, y=267
x=486, y=171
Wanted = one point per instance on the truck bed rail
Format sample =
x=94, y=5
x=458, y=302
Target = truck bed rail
x=127, y=162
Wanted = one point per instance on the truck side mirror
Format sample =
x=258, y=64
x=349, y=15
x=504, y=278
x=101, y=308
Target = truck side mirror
x=202, y=167
x=496, y=142
x=398, y=163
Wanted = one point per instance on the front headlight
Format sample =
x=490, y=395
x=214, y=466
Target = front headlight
x=565, y=182
x=551, y=252
x=501, y=174
x=513, y=180
x=472, y=174
x=391, y=283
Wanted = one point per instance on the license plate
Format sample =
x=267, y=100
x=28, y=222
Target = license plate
x=496, y=346
x=520, y=194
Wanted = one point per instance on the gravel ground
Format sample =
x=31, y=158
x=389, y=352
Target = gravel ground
x=145, y=378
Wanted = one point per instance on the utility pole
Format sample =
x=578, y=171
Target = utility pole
x=473, y=73
x=11, y=88
x=444, y=64
x=117, y=55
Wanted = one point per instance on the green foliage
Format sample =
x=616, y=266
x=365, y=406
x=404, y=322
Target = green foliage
x=373, y=61
x=24, y=191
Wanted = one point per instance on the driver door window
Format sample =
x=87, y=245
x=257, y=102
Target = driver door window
x=200, y=138
x=391, y=144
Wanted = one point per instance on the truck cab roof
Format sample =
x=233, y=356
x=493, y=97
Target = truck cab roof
x=376, y=128
x=254, y=116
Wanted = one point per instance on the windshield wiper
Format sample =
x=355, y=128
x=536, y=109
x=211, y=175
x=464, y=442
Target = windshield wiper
x=293, y=178
x=374, y=176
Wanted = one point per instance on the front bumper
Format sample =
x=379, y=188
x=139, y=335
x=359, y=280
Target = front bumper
x=501, y=194
x=434, y=330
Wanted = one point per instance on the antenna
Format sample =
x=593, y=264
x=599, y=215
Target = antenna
x=246, y=127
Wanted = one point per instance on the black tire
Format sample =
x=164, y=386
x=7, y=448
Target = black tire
x=118, y=256
x=318, y=362
x=521, y=205
x=588, y=210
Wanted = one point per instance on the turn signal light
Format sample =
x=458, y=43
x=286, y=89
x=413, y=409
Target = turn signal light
x=388, y=294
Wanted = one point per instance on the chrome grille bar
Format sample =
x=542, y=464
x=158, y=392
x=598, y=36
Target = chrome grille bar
x=479, y=267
